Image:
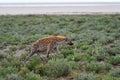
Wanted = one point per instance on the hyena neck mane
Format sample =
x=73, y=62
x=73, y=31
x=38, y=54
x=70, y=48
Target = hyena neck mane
x=60, y=38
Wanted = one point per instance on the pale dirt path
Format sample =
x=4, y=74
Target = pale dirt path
x=60, y=10
x=19, y=52
x=16, y=53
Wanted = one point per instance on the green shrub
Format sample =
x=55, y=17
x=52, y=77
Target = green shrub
x=39, y=69
x=16, y=62
x=108, y=77
x=61, y=79
x=23, y=71
x=115, y=72
x=76, y=57
x=104, y=20
x=2, y=55
x=5, y=63
x=22, y=47
x=88, y=58
x=11, y=60
x=113, y=60
x=103, y=39
x=7, y=70
x=3, y=44
x=78, y=44
x=2, y=78
x=113, y=50
x=34, y=61
x=57, y=68
x=74, y=65
x=99, y=52
x=67, y=52
x=93, y=66
x=33, y=76
x=14, y=77
x=13, y=49
x=106, y=67
x=84, y=47
x=85, y=76
x=23, y=56
x=98, y=67
x=101, y=56
x=70, y=58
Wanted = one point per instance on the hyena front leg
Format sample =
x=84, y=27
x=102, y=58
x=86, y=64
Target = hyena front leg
x=57, y=50
x=50, y=48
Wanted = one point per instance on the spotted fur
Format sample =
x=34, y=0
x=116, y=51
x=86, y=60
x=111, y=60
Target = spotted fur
x=47, y=45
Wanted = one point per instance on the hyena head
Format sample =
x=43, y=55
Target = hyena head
x=69, y=42
x=63, y=39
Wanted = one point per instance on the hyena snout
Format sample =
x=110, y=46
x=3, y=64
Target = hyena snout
x=69, y=42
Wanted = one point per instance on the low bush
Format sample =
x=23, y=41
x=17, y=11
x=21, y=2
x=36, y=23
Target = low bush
x=12, y=49
x=108, y=77
x=22, y=47
x=98, y=67
x=71, y=58
x=2, y=55
x=85, y=76
x=104, y=39
x=57, y=68
x=99, y=52
x=39, y=69
x=112, y=51
x=106, y=67
x=8, y=70
x=74, y=65
x=33, y=61
x=67, y=52
x=33, y=76
x=23, y=71
x=2, y=45
x=76, y=57
x=115, y=60
x=88, y=58
x=93, y=66
x=11, y=61
x=115, y=72
x=84, y=47
x=14, y=77
x=2, y=78
x=4, y=63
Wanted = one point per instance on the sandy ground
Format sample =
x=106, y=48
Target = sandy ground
x=60, y=10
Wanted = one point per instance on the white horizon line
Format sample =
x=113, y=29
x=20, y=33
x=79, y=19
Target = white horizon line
x=59, y=2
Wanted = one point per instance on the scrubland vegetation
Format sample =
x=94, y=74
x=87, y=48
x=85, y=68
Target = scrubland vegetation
x=94, y=56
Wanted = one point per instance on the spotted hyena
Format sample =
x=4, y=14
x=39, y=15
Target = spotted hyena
x=47, y=45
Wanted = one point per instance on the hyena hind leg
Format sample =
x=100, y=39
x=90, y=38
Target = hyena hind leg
x=48, y=52
x=49, y=49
